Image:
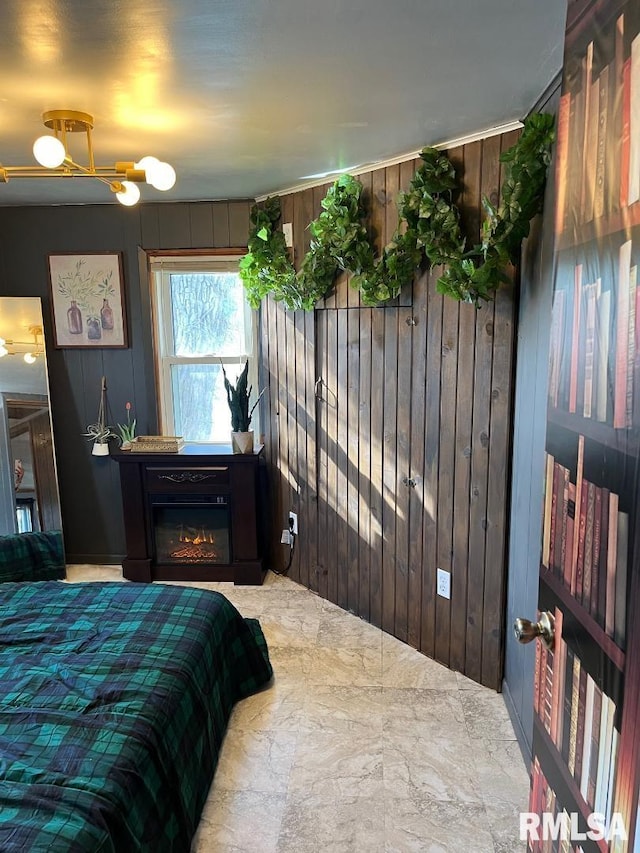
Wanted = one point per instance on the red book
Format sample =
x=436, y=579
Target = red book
x=557, y=687
x=571, y=515
x=602, y=567
x=588, y=546
x=536, y=678
x=582, y=529
x=576, y=526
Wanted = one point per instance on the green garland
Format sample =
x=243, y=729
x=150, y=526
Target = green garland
x=428, y=230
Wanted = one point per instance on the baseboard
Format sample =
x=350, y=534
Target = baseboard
x=94, y=559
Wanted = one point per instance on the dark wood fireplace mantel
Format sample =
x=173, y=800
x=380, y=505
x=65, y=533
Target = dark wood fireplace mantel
x=199, y=480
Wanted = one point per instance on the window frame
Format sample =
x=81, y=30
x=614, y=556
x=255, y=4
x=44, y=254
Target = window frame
x=161, y=266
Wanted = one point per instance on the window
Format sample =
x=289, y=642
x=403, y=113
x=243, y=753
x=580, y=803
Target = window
x=201, y=319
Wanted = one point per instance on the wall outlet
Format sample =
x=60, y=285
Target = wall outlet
x=443, y=587
x=285, y=538
x=293, y=523
x=287, y=230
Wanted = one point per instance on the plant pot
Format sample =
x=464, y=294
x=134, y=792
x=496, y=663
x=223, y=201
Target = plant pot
x=242, y=442
x=100, y=449
x=126, y=445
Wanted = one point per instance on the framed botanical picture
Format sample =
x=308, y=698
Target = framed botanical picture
x=87, y=299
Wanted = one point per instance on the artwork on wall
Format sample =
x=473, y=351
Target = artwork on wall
x=87, y=299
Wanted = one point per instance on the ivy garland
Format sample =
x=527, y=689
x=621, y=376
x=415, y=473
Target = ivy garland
x=428, y=229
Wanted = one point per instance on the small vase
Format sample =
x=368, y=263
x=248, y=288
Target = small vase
x=100, y=449
x=242, y=442
x=94, y=331
x=106, y=315
x=74, y=319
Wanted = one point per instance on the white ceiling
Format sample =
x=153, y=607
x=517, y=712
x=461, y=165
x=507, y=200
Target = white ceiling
x=247, y=97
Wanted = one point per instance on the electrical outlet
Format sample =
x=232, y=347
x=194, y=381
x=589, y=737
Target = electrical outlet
x=287, y=230
x=293, y=523
x=444, y=583
x=285, y=538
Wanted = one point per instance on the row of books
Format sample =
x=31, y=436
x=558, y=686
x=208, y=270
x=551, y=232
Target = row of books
x=544, y=800
x=594, y=340
x=580, y=720
x=586, y=542
x=598, y=158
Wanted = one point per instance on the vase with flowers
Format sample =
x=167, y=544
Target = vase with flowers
x=128, y=430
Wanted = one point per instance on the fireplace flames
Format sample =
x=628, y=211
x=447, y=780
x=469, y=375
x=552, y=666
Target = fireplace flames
x=198, y=545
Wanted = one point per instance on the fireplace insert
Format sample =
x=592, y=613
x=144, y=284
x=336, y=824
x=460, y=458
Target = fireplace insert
x=190, y=529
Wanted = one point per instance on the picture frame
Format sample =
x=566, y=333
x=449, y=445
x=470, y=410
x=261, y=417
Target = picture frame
x=87, y=300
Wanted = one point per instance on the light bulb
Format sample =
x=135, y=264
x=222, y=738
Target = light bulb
x=163, y=176
x=29, y=357
x=147, y=163
x=129, y=194
x=49, y=151
x=3, y=351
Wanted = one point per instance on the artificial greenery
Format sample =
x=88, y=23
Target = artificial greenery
x=238, y=398
x=339, y=241
x=428, y=231
x=267, y=268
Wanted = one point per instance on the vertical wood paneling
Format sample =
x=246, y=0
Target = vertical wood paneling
x=365, y=446
x=390, y=475
x=342, y=483
x=377, y=444
x=353, y=459
x=417, y=494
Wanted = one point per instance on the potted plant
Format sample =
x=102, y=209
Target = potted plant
x=238, y=398
x=99, y=432
x=128, y=430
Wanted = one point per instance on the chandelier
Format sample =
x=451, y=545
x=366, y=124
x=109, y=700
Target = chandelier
x=52, y=153
x=29, y=351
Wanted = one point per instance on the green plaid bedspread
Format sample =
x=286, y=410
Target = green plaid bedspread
x=114, y=699
x=32, y=556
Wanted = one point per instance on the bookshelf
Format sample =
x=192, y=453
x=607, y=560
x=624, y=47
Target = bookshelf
x=587, y=690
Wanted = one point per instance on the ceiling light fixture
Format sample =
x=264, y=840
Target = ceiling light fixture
x=8, y=347
x=52, y=153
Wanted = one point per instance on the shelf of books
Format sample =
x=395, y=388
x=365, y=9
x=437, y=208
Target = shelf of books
x=598, y=157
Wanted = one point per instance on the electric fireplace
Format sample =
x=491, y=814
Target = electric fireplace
x=193, y=515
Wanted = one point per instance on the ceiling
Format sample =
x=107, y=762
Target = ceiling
x=249, y=97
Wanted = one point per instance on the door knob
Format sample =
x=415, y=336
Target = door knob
x=527, y=631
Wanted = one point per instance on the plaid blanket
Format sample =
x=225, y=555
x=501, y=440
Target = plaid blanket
x=32, y=556
x=114, y=699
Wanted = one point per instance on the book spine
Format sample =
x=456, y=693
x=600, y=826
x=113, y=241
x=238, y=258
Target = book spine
x=588, y=546
x=595, y=568
x=582, y=525
x=580, y=724
x=575, y=335
x=573, y=724
x=625, y=142
x=612, y=561
x=591, y=294
x=622, y=337
x=603, y=330
x=620, y=607
x=586, y=748
x=595, y=745
x=562, y=156
x=571, y=520
x=602, y=141
x=634, y=123
x=576, y=526
x=548, y=511
x=604, y=548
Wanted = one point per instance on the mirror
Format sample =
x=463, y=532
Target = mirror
x=29, y=498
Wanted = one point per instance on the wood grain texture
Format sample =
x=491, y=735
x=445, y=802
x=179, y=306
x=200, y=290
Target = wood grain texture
x=417, y=390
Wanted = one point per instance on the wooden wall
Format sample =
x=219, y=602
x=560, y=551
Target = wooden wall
x=89, y=486
x=360, y=401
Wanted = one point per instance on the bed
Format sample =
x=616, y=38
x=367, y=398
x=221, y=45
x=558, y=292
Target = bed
x=114, y=699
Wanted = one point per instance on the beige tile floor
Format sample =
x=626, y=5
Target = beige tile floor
x=360, y=745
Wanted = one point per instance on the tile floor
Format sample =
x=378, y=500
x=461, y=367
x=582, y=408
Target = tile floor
x=360, y=744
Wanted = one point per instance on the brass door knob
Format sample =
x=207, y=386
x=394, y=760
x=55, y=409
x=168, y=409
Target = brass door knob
x=527, y=631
